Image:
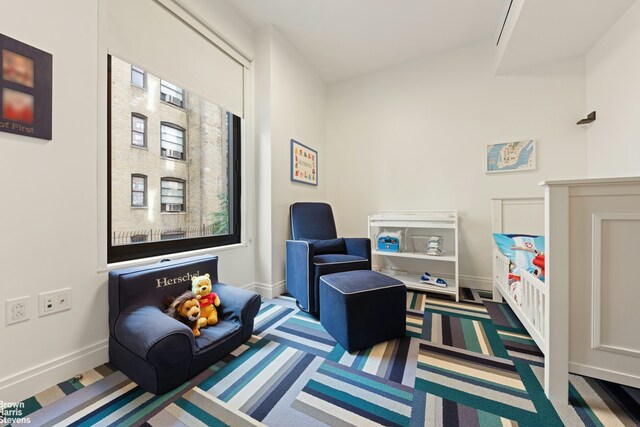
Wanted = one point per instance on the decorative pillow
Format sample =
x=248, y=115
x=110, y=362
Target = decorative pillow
x=329, y=246
x=524, y=251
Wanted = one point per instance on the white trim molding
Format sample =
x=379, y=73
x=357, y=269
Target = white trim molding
x=613, y=376
x=29, y=382
x=596, y=282
x=270, y=291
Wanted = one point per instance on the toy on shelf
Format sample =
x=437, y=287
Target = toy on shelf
x=431, y=280
x=389, y=241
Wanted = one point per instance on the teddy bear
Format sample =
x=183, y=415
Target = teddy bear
x=186, y=309
x=201, y=286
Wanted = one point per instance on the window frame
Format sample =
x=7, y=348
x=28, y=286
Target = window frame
x=144, y=133
x=184, y=195
x=144, y=192
x=136, y=69
x=165, y=84
x=184, y=141
x=135, y=251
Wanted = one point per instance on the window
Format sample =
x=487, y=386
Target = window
x=138, y=130
x=171, y=195
x=171, y=141
x=139, y=238
x=138, y=77
x=157, y=207
x=138, y=191
x=171, y=94
x=171, y=235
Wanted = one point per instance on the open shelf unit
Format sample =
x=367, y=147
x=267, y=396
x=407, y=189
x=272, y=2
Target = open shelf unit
x=422, y=224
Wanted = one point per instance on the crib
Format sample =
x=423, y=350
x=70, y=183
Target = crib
x=534, y=308
x=531, y=309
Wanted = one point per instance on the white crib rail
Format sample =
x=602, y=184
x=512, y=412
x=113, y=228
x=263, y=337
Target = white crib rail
x=501, y=271
x=534, y=305
x=532, y=309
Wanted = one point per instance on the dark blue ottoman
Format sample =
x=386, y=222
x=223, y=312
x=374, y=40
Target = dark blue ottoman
x=361, y=308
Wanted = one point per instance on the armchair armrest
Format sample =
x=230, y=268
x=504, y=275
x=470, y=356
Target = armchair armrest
x=152, y=335
x=238, y=305
x=358, y=246
x=300, y=270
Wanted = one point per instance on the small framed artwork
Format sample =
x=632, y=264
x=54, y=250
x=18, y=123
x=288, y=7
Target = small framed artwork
x=304, y=164
x=512, y=156
x=25, y=89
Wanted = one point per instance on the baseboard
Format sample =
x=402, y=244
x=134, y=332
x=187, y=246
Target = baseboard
x=270, y=291
x=476, y=282
x=604, y=374
x=29, y=382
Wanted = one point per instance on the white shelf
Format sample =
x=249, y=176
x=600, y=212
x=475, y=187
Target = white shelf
x=413, y=282
x=418, y=223
x=446, y=256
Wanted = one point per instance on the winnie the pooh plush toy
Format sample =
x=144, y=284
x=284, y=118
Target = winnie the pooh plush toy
x=201, y=286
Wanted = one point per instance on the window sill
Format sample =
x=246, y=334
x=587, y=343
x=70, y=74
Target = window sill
x=172, y=159
x=173, y=105
x=138, y=208
x=179, y=255
x=137, y=147
x=173, y=213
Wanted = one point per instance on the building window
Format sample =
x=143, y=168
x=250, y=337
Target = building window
x=172, y=195
x=138, y=191
x=171, y=141
x=172, y=235
x=138, y=130
x=138, y=77
x=143, y=189
x=171, y=94
x=139, y=238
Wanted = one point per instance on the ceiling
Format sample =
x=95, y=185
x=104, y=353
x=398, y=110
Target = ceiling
x=342, y=39
x=550, y=30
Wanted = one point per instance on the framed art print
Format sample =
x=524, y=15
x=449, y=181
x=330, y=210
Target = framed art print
x=25, y=89
x=304, y=164
x=512, y=156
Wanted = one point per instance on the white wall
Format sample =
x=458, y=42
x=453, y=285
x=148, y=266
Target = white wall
x=414, y=137
x=292, y=107
x=50, y=221
x=613, y=90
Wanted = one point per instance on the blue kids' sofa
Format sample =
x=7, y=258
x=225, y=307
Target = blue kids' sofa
x=158, y=352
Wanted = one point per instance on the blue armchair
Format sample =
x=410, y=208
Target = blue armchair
x=315, y=250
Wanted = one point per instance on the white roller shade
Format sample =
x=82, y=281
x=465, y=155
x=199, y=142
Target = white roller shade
x=145, y=34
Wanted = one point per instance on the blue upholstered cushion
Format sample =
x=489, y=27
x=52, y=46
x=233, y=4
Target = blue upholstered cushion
x=359, y=281
x=328, y=246
x=312, y=221
x=336, y=258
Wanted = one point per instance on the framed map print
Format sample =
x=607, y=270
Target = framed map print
x=25, y=89
x=513, y=156
x=304, y=164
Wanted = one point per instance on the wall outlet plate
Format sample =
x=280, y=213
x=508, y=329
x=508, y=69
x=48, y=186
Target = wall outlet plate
x=17, y=310
x=54, y=301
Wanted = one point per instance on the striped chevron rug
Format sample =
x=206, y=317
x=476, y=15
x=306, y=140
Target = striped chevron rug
x=460, y=364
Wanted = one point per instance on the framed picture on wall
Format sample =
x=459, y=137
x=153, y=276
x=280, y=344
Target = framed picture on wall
x=25, y=89
x=304, y=164
x=512, y=156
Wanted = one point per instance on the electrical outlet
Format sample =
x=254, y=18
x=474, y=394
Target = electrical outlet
x=17, y=310
x=54, y=301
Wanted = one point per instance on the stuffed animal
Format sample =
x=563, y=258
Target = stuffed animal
x=201, y=286
x=186, y=308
